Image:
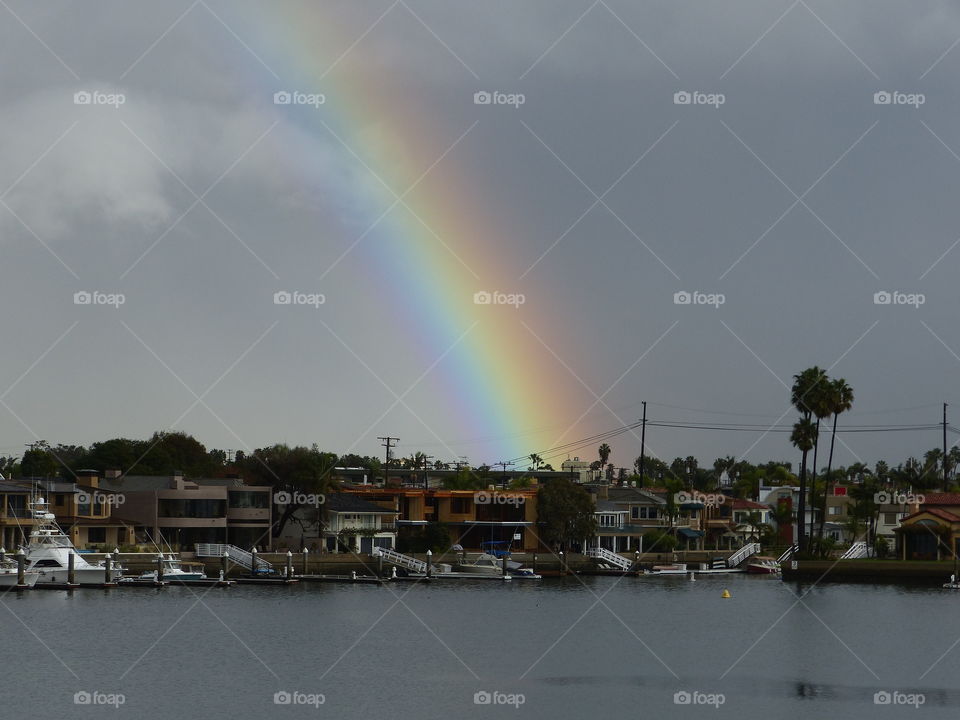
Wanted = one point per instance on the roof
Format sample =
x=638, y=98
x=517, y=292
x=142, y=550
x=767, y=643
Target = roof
x=741, y=504
x=133, y=483
x=344, y=503
x=936, y=512
x=941, y=499
x=609, y=506
x=633, y=495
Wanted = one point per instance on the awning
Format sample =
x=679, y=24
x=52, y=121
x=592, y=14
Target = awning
x=692, y=506
x=690, y=533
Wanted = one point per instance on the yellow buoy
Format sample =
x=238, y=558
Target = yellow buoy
x=726, y=594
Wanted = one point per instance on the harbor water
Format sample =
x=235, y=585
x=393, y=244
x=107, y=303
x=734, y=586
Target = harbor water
x=554, y=648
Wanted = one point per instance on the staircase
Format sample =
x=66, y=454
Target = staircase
x=787, y=554
x=742, y=554
x=395, y=558
x=237, y=555
x=857, y=550
x=611, y=558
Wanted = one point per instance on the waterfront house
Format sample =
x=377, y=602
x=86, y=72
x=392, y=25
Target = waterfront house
x=624, y=514
x=353, y=524
x=178, y=512
x=933, y=531
x=728, y=525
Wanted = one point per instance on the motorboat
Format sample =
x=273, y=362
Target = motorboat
x=9, y=575
x=49, y=550
x=762, y=565
x=172, y=572
x=671, y=569
x=487, y=564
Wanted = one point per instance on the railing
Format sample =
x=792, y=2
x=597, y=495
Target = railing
x=238, y=555
x=607, y=556
x=857, y=550
x=787, y=554
x=742, y=554
x=395, y=558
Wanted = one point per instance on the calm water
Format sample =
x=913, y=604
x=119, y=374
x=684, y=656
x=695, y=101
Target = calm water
x=419, y=651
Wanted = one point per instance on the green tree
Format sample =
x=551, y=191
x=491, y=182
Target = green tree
x=565, y=513
x=39, y=462
x=804, y=397
x=839, y=398
x=604, y=452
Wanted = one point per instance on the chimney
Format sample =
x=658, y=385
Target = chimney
x=602, y=492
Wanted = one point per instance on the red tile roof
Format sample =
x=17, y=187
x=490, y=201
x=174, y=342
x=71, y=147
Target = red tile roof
x=741, y=504
x=937, y=512
x=941, y=499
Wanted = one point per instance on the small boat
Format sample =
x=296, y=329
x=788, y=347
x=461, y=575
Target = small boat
x=9, y=575
x=672, y=569
x=762, y=565
x=172, y=572
x=489, y=565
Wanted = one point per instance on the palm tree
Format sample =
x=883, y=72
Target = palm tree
x=604, y=452
x=804, y=434
x=840, y=397
x=822, y=405
x=536, y=460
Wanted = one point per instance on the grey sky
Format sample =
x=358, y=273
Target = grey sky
x=878, y=186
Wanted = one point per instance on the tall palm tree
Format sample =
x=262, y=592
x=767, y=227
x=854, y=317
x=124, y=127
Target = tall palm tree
x=840, y=397
x=822, y=405
x=802, y=397
x=536, y=460
x=604, y=452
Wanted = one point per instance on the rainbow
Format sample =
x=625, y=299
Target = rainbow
x=499, y=381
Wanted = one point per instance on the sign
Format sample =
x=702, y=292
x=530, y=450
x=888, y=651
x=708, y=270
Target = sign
x=517, y=536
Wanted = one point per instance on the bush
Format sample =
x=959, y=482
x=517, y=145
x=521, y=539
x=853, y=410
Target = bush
x=659, y=541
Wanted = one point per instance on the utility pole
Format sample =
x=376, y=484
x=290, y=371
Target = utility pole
x=388, y=442
x=643, y=441
x=504, y=465
x=426, y=463
x=944, y=447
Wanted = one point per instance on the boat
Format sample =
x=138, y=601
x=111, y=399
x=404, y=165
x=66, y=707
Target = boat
x=172, y=572
x=763, y=565
x=9, y=575
x=49, y=550
x=487, y=564
x=672, y=569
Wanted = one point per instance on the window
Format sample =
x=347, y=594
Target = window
x=835, y=510
x=635, y=512
x=96, y=535
x=890, y=518
x=459, y=506
x=58, y=500
x=249, y=499
x=191, y=508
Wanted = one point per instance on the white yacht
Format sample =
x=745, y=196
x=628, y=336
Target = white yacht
x=488, y=565
x=49, y=550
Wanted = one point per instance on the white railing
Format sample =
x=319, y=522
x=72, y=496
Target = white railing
x=787, y=554
x=395, y=558
x=238, y=555
x=742, y=554
x=857, y=550
x=608, y=556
